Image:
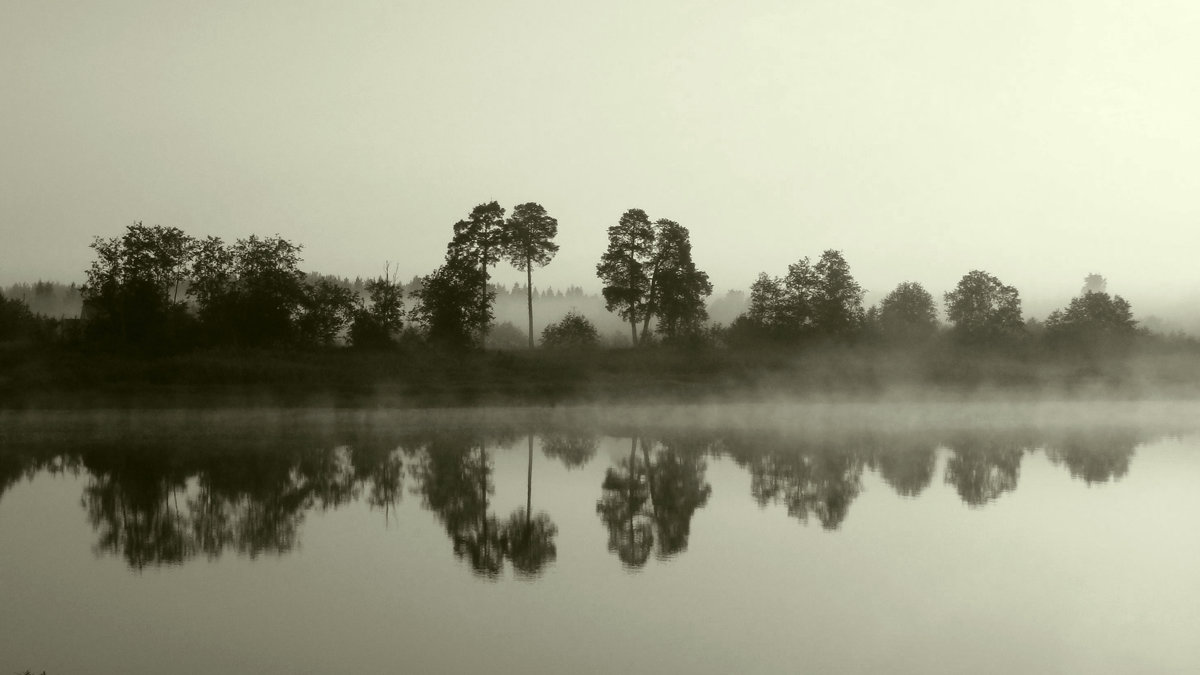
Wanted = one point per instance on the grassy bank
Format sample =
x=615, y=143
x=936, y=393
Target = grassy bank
x=32, y=377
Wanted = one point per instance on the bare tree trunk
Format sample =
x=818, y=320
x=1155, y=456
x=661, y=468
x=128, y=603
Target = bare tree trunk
x=633, y=327
x=483, y=327
x=529, y=295
x=650, y=301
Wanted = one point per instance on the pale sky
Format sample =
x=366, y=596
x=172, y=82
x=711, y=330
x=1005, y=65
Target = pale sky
x=1038, y=140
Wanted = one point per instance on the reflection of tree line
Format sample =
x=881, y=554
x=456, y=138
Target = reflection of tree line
x=164, y=504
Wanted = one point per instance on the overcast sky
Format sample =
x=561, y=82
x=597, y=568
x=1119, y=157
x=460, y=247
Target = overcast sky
x=1037, y=140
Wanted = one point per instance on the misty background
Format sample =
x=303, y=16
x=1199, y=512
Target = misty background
x=1038, y=141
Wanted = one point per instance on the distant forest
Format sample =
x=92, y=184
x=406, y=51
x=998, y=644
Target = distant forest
x=157, y=289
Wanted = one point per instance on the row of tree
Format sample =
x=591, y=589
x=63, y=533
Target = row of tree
x=822, y=302
x=155, y=287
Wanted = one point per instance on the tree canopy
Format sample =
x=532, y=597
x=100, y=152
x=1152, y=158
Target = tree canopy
x=907, y=314
x=448, y=305
x=1094, y=321
x=983, y=310
x=813, y=301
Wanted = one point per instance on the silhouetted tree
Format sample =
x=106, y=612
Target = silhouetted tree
x=448, y=304
x=837, y=302
x=983, y=310
x=132, y=287
x=677, y=289
x=797, y=311
x=269, y=288
x=529, y=240
x=16, y=320
x=624, y=268
x=212, y=278
x=811, y=301
x=328, y=308
x=376, y=323
x=1093, y=323
x=480, y=239
x=907, y=314
x=251, y=293
x=767, y=317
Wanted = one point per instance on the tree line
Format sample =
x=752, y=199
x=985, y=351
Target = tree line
x=158, y=288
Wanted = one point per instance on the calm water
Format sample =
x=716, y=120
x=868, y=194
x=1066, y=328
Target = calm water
x=657, y=541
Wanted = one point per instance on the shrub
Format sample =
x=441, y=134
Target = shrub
x=573, y=331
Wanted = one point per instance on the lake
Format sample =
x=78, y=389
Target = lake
x=831, y=538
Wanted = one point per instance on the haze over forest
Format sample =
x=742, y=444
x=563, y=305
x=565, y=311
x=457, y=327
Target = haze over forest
x=1041, y=142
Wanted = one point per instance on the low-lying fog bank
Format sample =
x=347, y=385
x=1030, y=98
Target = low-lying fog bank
x=809, y=418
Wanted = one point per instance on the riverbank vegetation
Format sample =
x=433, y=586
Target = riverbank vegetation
x=170, y=318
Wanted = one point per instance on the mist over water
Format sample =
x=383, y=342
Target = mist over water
x=852, y=537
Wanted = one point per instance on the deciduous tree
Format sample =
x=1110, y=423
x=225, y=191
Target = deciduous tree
x=982, y=309
x=132, y=285
x=1093, y=322
x=907, y=314
x=448, y=305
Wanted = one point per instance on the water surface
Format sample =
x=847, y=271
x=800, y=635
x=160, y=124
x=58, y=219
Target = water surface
x=684, y=540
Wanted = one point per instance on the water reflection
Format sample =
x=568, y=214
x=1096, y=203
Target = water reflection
x=454, y=477
x=907, y=467
x=1096, y=456
x=819, y=480
x=647, y=502
x=982, y=467
x=163, y=499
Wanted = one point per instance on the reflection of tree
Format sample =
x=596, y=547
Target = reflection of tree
x=529, y=539
x=454, y=477
x=677, y=489
x=132, y=502
x=983, y=466
x=821, y=484
x=573, y=451
x=630, y=534
x=652, y=502
x=157, y=506
x=907, y=467
x=15, y=467
x=381, y=467
x=1097, y=456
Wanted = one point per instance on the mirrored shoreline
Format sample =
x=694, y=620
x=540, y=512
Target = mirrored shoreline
x=164, y=489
